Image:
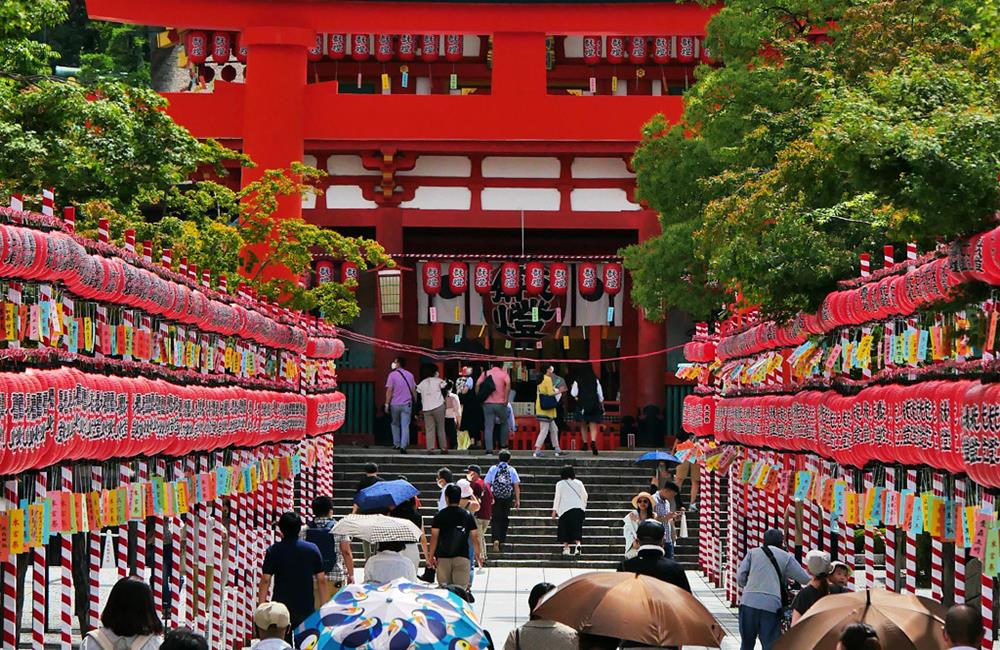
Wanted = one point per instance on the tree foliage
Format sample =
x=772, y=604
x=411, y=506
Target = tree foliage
x=802, y=152
x=110, y=148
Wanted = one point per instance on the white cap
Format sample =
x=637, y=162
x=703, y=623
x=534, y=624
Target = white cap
x=818, y=563
x=465, y=486
x=268, y=614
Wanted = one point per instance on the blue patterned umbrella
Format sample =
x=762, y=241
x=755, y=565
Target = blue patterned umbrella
x=399, y=615
x=385, y=494
x=651, y=458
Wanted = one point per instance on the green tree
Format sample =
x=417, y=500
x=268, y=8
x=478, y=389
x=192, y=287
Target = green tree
x=807, y=149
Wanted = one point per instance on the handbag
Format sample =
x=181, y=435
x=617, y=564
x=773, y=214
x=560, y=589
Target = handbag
x=547, y=402
x=463, y=439
x=785, y=612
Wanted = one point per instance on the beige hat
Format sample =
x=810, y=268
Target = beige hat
x=466, y=488
x=818, y=563
x=268, y=614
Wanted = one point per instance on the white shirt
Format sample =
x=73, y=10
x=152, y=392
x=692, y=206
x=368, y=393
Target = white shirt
x=430, y=393
x=91, y=644
x=386, y=566
x=272, y=644
x=570, y=494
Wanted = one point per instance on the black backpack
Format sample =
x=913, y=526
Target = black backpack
x=323, y=538
x=487, y=388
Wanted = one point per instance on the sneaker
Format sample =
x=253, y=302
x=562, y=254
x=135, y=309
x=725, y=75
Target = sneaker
x=538, y=453
x=496, y=547
x=560, y=453
x=593, y=447
x=402, y=450
x=566, y=551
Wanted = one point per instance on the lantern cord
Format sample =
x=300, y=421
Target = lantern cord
x=458, y=355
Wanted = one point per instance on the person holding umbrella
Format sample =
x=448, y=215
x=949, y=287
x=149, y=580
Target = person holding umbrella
x=859, y=636
x=650, y=560
x=389, y=564
x=963, y=628
x=540, y=633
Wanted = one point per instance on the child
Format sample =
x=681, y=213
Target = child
x=452, y=417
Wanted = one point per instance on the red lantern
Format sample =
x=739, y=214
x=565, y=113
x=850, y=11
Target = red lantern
x=612, y=278
x=349, y=271
x=315, y=53
x=361, y=48
x=454, y=46
x=432, y=278
x=510, y=278
x=592, y=50
x=558, y=278
x=384, y=48
x=706, y=56
x=481, y=278
x=637, y=50
x=336, y=46
x=239, y=49
x=616, y=49
x=324, y=272
x=407, y=47
x=196, y=46
x=534, y=278
x=586, y=278
x=661, y=49
x=686, y=48
x=220, y=47
x=458, y=278
x=430, y=44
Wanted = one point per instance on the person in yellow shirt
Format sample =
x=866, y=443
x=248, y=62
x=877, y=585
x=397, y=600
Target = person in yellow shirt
x=546, y=404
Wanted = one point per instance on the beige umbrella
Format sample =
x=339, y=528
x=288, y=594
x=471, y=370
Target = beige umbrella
x=632, y=607
x=902, y=621
x=377, y=528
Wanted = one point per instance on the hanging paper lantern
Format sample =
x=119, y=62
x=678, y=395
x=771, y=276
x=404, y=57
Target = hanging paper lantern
x=430, y=45
x=324, y=272
x=315, y=53
x=661, y=49
x=481, y=278
x=220, y=47
x=336, y=46
x=706, y=56
x=686, y=46
x=534, y=278
x=592, y=50
x=384, y=49
x=361, y=47
x=510, y=278
x=616, y=49
x=454, y=46
x=558, y=278
x=432, y=278
x=586, y=278
x=637, y=50
x=349, y=272
x=407, y=47
x=196, y=46
x=239, y=49
x=458, y=278
x=612, y=278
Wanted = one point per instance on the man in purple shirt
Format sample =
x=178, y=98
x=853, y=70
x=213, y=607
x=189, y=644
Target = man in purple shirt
x=400, y=391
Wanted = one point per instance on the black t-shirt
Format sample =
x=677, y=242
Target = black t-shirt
x=454, y=525
x=806, y=598
x=293, y=564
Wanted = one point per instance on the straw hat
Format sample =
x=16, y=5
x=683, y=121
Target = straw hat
x=642, y=495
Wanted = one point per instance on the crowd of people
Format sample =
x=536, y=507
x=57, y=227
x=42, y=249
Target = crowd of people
x=478, y=404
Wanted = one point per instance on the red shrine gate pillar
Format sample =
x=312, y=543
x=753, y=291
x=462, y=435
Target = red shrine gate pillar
x=273, y=110
x=650, y=337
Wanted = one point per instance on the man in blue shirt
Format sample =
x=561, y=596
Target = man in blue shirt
x=505, y=485
x=293, y=564
x=761, y=601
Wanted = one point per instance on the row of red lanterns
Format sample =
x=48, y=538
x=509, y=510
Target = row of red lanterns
x=977, y=258
x=949, y=425
x=219, y=45
x=637, y=49
x=535, y=278
x=350, y=275
x=53, y=416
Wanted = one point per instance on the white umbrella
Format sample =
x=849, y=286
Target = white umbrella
x=377, y=528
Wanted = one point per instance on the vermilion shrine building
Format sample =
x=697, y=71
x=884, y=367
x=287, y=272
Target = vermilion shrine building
x=509, y=131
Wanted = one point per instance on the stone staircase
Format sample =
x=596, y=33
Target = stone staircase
x=611, y=480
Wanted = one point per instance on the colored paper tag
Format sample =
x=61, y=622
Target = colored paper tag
x=992, y=561
x=948, y=521
x=565, y=342
x=16, y=523
x=453, y=81
x=917, y=523
x=36, y=524
x=433, y=314
x=385, y=81
x=405, y=81
x=851, y=508
x=611, y=314
x=593, y=84
x=534, y=314
x=979, y=539
x=839, y=492
x=94, y=509
x=922, y=345
x=181, y=490
x=122, y=505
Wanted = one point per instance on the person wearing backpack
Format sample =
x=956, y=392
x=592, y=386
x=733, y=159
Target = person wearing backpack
x=506, y=487
x=494, y=403
x=338, y=561
x=129, y=620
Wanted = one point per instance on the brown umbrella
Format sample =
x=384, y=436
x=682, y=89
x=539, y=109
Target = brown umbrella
x=903, y=621
x=631, y=607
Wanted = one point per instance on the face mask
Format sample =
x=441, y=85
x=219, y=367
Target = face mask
x=394, y=365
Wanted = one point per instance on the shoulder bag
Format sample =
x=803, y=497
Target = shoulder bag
x=785, y=611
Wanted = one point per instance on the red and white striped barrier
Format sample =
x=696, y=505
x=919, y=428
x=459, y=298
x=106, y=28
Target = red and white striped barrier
x=890, y=536
x=987, y=586
x=66, y=563
x=960, y=553
x=869, y=483
x=937, y=547
x=40, y=574
x=94, y=557
x=11, y=626
x=910, y=548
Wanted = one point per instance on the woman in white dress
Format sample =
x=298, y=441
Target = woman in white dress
x=643, y=510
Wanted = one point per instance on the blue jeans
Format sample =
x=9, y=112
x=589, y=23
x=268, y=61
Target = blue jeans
x=400, y=414
x=758, y=623
x=668, y=550
x=495, y=415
